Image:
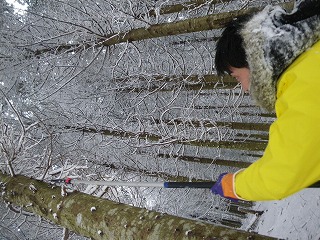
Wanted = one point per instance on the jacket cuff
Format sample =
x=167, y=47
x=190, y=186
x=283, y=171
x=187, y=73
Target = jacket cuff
x=228, y=185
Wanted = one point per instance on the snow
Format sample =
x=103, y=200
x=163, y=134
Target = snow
x=19, y=6
x=63, y=191
x=59, y=206
x=188, y=232
x=79, y=218
x=32, y=188
x=296, y=217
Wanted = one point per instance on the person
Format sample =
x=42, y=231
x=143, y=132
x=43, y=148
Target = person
x=275, y=56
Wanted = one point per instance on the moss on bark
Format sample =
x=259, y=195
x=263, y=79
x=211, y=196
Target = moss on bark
x=109, y=220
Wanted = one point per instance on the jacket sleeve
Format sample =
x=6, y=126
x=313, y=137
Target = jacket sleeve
x=291, y=160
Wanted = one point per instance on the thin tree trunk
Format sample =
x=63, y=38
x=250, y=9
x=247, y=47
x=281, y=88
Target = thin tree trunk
x=255, y=137
x=191, y=82
x=233, y=125
x=66, y=234
x=181, y=7
x=213, y=21
x=203, y=160
x=156, y=174
x=103, y=219
x=209, y=22
x=250, y=145
x=198, y=40
x=266, y=115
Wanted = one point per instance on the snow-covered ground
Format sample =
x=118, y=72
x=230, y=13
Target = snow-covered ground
x=296, y=217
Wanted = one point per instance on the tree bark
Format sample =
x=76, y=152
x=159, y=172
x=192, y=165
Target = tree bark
x=205, y=23
x=191, y=82
x=250, y=145
x=213, y=21
x=185, y=6
x=103, y=219
x=209, y=22
x=158, y=174
x=181, y=7
x=203, y=160
x=233, y=125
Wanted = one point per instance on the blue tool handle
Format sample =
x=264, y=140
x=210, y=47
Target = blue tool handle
x=188, y=184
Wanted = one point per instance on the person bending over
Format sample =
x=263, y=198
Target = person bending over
x=275, y=56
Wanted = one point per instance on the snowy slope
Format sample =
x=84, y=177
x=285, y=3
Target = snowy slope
x=296, y=217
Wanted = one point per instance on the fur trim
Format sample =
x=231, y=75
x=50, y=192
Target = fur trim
x=271, y=47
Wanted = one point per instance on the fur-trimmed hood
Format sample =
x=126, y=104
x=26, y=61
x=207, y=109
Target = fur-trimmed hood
x=271, y=47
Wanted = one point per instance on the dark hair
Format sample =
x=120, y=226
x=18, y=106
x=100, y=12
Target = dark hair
x=229, y=48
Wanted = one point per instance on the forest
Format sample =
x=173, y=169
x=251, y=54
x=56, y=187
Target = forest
x=124, y=91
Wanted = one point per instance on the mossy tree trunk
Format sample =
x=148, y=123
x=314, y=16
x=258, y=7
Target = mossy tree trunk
x=190, y=5
x=213, y=21
x=168, y=9
x=250, y=145
x=205, y=23
x=203, y=160
x=103, y=219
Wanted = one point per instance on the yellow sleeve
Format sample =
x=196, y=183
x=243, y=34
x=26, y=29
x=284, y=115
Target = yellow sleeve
x=291, y=160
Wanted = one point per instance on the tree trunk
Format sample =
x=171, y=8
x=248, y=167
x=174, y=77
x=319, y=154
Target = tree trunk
x=209, y=22
x=156, y=174
x=181, y=7
x=203, y=160
x=185, y=6
x=250, y=145
x=233, y=125
x=213, y=21
x=190, y=82
x=103, y=219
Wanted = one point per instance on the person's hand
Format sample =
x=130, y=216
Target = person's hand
x=224, y=187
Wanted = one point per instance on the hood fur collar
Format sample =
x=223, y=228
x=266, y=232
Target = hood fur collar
x=271, y=47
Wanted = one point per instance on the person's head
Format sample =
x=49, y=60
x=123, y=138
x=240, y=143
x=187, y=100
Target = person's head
x=230, y=55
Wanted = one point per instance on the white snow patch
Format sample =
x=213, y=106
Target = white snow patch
x=32, y=188
x=296, y=217
x=19, y=6
x=79, y=218
x=59, y=206
x=63, y=191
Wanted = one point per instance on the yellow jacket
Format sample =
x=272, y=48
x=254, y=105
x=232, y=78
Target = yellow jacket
x=291, y=160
